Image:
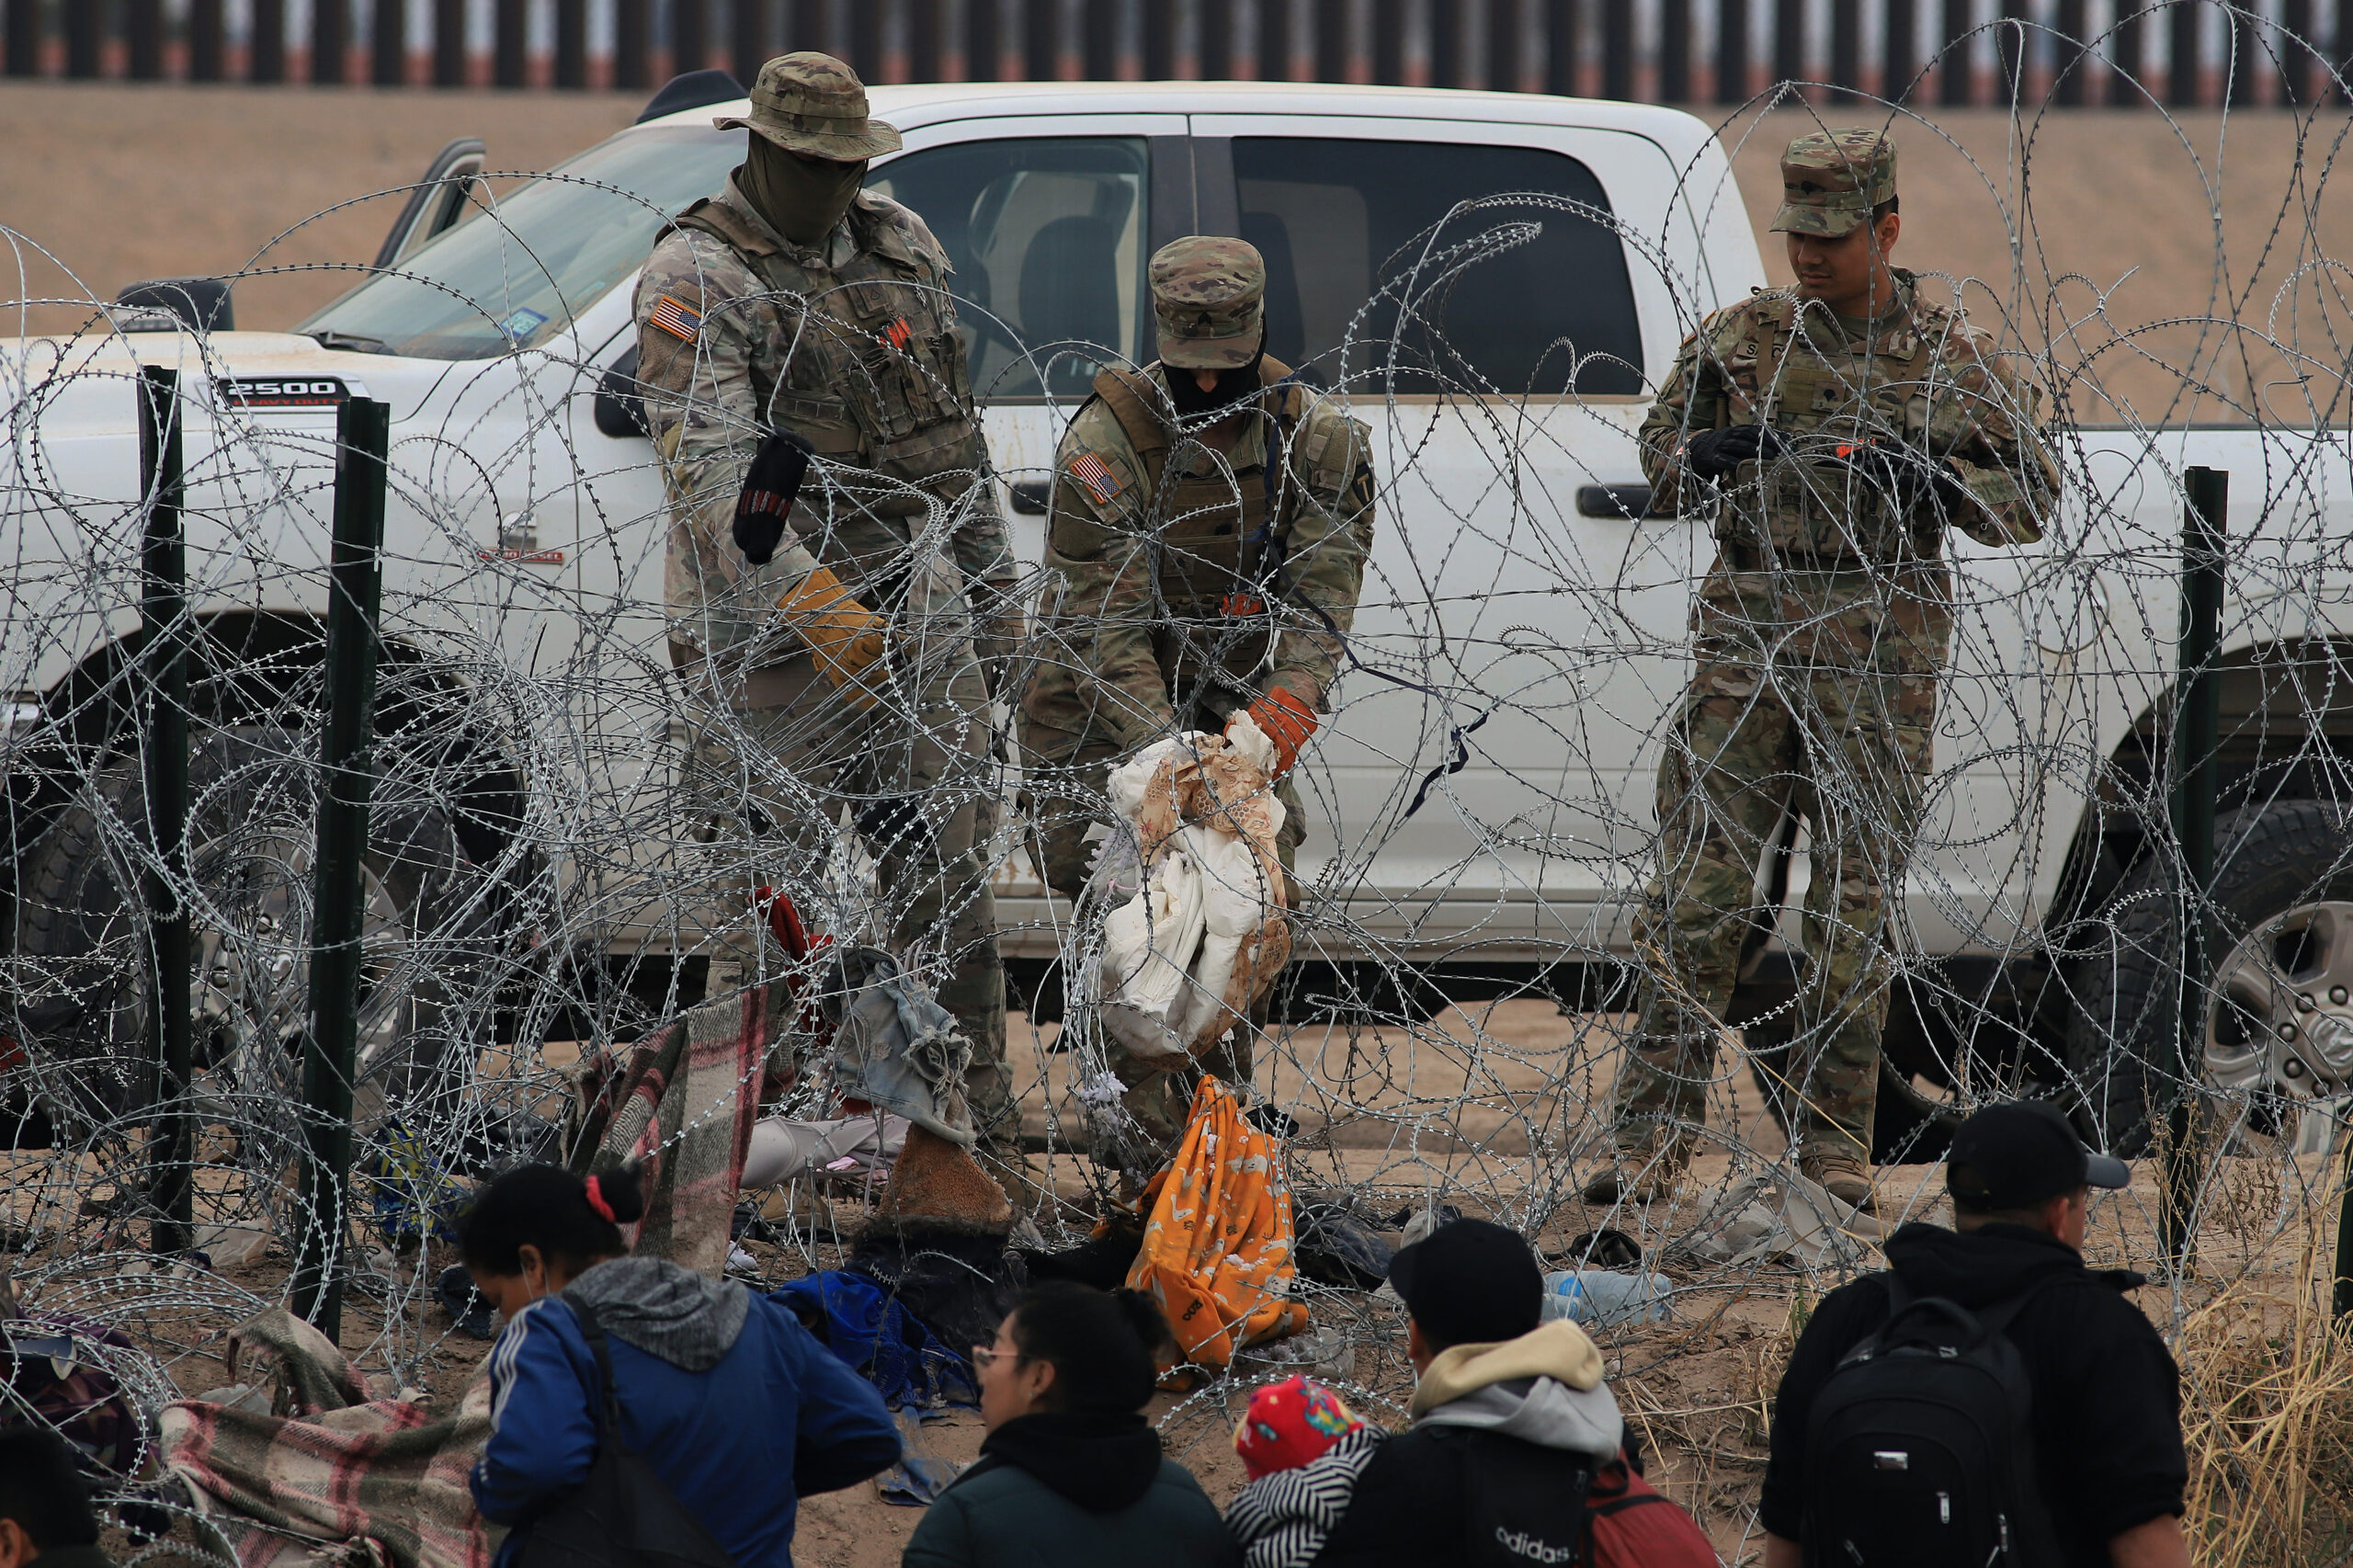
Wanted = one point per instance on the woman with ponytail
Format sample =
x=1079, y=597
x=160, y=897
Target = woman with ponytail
x=723, y=1395
x=1071, y=1472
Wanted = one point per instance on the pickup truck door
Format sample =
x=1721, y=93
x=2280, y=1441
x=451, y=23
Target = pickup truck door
x=1049, y=221
x=1515, y=616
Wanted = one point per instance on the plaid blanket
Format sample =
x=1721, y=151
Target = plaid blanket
x=331, y=1479
x=328, y=1477
x=682, y=1100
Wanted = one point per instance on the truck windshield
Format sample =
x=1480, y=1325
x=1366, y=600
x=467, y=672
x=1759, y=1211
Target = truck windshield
x=517, y=272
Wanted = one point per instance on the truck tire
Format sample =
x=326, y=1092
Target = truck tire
x=2279, y=1031
x=82, y=1006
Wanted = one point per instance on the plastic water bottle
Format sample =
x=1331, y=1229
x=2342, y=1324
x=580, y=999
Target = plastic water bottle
x=1602, y=1298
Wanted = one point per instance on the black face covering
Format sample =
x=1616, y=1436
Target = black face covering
x=1232, y=387
x=801, y=199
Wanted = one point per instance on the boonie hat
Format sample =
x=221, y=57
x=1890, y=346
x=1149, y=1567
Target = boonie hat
x=813, y=102
x=1832, y=179
x=1209, y=297
x=2022, y=1153
x=1471, y=1282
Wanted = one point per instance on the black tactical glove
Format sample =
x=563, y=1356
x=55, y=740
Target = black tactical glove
x=1711, y=454
x=1912, y=480
x=768, y=490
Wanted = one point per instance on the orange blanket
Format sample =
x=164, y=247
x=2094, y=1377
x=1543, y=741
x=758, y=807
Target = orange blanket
x=1216, y=1248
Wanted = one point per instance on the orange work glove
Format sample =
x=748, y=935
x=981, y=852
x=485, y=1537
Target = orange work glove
x=846, y=637
x=1283, y=718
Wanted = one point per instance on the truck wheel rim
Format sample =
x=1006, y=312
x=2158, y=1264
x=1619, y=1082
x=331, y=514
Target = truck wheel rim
x=2279, y=1036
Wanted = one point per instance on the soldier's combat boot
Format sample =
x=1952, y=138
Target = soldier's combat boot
x=1841, y=1175
x=1640, y=1173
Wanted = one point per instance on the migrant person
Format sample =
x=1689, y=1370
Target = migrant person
x=1071, y=1475
x=2103, y=1450
x=1211, y=514
x=45, y=1514
x=731, y=1403
x=1510, y=1421
x=1302, y=1447
x=1837, y=431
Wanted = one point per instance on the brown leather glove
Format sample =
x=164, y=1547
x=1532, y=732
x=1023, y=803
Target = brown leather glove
x=846, y=638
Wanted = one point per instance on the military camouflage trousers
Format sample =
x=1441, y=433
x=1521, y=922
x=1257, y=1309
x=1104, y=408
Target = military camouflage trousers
x=778, y=754
x=1063, y=801
x=1846, y=751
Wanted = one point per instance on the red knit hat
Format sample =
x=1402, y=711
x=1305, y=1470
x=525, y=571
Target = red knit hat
x=1289, y=1424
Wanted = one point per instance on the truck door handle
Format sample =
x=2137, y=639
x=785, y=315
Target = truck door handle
x=1620, y=503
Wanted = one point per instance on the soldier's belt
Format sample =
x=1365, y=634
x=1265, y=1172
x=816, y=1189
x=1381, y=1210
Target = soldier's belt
x=1742, y=557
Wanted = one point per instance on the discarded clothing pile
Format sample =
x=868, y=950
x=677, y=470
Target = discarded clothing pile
x=322, y=1474
x=1196, y=935
x=869, y=1330
x=1779, y=1217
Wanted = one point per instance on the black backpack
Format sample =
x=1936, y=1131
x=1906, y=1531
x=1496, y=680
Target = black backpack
x=623, y=1516
x=1524, y=1506
x=1919, y=1453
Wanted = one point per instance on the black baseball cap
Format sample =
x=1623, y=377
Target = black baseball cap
x=2022, y=1153
x=1469, y=1282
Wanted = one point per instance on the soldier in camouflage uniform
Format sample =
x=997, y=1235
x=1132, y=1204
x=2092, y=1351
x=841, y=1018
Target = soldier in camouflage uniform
x=847, y=666
x=1835, y=430
x=1211, y=515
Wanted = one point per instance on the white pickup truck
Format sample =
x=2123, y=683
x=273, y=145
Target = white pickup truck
x=1538, y=613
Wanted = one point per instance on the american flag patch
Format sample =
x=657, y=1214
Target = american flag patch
x=679, y=321
x=1097, y=475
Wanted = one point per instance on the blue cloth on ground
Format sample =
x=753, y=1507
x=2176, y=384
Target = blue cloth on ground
x=867, y=1328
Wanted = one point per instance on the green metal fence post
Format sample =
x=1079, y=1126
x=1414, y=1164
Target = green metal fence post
x=163, y=605
x=330, y=1052
x=2197, y=732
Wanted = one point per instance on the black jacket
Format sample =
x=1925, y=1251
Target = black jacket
x=1411, y=1507
x=1075, y=1489
x=2107, y=1395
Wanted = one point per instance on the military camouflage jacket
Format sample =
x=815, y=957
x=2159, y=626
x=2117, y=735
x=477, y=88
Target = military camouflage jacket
x=1189, y=582
x=1821, y=559
x=852, y=343
x=1920, y=377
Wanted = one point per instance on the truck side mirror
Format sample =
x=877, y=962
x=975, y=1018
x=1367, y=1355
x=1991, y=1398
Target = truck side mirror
x=621, y=404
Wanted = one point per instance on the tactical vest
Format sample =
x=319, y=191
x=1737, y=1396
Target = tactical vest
x=1216, y=540
x=874, y=365
x=1807, y=506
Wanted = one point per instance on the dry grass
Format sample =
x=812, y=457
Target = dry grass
x=2267, y=1419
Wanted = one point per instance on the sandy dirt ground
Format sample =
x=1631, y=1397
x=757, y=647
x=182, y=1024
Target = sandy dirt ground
x=1696, y=1388
x=2088, y=230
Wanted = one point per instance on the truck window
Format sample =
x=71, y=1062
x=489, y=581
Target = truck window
x=1046, y=235
x=1341, y=221
x=515, y=276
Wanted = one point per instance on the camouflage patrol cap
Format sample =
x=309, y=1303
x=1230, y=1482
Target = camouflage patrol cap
x=1832, y=179
x=1209, y=295
x=808, y=102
